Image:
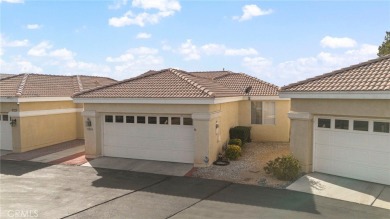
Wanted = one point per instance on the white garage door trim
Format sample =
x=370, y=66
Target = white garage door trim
x=5, y=132
x=375, y=160
x=156, y=141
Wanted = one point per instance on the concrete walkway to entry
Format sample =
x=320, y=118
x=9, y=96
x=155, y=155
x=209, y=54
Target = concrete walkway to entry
x=345, y=189
x=147, y=166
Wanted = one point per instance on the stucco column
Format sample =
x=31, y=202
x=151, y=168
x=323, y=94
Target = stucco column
x=301, y=141
x=91, y=123
x=204, y=125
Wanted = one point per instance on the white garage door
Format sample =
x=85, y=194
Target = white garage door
x=353, y=147
x=5, y=133
x=152, y=137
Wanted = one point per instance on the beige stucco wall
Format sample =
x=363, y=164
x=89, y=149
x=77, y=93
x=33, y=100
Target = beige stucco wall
x=301, y=143
x=32, y=132
x=42, y=131
x=228, y=118
x=265, y=133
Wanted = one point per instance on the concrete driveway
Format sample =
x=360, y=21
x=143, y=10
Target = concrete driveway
x=345, y=189
x=137, y=165
x=60, y=191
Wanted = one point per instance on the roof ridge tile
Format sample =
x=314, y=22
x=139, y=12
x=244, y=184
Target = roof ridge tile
x=22, y=84
x=79, y=83
x=195, y=84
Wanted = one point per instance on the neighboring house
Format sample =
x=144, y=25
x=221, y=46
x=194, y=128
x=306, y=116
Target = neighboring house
x=173, y=115
x=41, y=110
x=340, y=121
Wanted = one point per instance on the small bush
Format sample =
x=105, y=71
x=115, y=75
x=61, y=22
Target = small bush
x=284, y=168
x=235, y=141
x=241, y=132
x=233, y=152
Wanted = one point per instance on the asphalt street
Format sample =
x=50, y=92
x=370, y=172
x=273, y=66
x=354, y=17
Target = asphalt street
x=37, y=190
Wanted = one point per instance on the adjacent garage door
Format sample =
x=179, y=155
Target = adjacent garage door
x=150, y=137
x=5, y=133
x=353, y=147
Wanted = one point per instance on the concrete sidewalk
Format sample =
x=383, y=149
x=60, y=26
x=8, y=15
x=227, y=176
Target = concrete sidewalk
x=345, y=189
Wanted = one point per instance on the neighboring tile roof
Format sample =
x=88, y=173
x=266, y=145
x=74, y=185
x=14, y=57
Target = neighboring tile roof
x=240, y=81
x=173, y=83
x=167, y=83
x=40, y=85
x=2, y=75
x=373, y=75
x=210, y=74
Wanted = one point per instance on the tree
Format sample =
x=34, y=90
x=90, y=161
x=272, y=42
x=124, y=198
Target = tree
x=384, y=49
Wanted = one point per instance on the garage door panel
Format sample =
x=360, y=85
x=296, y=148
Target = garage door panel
x=363, y=155
x=149, y=141
x=149, y=154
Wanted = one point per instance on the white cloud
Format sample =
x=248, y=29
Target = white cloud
x=63, y=53
x=12, y=1
x=189, y=51
x=337, y=42
x=290, y=71
x=93, y=68
x=250, y=11
x=143, y=36
x=241, y=52
x=33, y=26
x=257, y=64
x=136, y=61
x=18, y=66
x=161, y=5
x=40, y=49
x=165, y=8
x=12, y=43
x=117, y=4
x=213, y=49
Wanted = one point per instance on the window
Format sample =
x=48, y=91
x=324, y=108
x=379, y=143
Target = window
x=109, y=118
x=341, y=124
x=129, y=119
x=119, y=119
x=382, y=127
x=360, y=125
x=324, y=123
x=141, y=119
x=164, y=120
x=187, y=121
x=175, y=120
x=262, y=112
x=5, y=117
x=152, y=120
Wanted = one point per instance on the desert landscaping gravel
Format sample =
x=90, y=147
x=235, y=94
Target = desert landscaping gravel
x=248, y=169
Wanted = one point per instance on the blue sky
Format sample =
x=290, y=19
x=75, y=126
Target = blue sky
x=277, y=41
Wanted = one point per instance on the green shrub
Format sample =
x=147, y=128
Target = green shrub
x=235, y=141
x=241, y=132
x=284, y=168
x=233, y=152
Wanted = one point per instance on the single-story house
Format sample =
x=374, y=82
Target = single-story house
x=340, y=121
x=37, y=110
x=178, y=116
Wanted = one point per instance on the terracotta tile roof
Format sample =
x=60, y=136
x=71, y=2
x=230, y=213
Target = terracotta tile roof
x=373, y=75
x=167, y=83
x=240, y=82
x=40, y=85
x=173, y=83
x=210, y=74
x=2, y=75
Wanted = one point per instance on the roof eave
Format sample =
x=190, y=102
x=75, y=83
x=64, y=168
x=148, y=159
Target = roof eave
x=336, y=95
